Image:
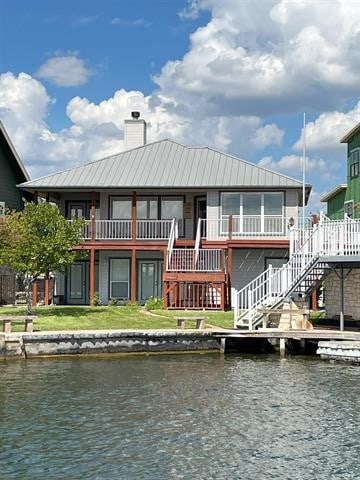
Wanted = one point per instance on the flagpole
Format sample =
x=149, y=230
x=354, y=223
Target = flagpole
x=303, y=170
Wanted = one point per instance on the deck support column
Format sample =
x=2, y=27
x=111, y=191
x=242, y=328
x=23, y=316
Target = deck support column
x=34, y=293
x=133, y=275
x=92, y=276
x=282, y=347
x=222, y=344
x=341, y=278
x=229, y=269
x=46, y=288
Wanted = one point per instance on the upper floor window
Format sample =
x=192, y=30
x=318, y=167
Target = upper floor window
x=121, y=208
x=354, y=163
x=349, y=208
x=252, y=204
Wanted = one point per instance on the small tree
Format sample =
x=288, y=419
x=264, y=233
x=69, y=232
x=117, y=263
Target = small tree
x=37, y=240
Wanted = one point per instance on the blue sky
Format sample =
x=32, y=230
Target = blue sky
x=233, y=75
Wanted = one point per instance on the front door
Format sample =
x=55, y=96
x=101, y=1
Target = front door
x=78, y=283
x=200, y=213
x=150, y=279
x=78, y=210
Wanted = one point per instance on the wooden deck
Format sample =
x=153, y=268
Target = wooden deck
x=274, y=333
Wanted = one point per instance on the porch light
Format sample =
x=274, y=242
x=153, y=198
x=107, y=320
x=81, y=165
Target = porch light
x=291, y=222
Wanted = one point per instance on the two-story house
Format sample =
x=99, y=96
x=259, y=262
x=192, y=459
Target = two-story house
x=189, y=224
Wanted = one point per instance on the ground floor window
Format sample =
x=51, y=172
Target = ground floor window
x=119, y=278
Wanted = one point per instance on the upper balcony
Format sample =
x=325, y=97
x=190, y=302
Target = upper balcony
x=229, y=227
x=238, y=227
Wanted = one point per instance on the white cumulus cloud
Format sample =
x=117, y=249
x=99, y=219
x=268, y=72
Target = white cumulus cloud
x=65, y=71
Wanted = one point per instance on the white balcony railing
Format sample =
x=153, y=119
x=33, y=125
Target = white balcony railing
x=190, y=260
x=153, y=229
x=113, y=229
x=123, y=230
x=242, y=226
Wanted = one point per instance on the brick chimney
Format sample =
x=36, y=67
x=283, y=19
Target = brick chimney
x=134, y=131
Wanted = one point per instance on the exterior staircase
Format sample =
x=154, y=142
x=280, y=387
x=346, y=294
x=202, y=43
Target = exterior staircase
x=194, y=277
x=306, y=269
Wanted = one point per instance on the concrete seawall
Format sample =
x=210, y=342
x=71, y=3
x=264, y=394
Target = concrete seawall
x=100, y=342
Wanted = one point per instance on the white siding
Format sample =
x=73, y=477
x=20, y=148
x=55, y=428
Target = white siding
x=291, y=204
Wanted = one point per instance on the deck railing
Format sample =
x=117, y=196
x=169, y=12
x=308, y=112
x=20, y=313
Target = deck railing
x=153, y=229
x=123, y=229
x=190, y=260
x=113, y=230
x=243, y=226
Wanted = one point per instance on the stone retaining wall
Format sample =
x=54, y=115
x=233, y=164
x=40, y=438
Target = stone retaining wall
x=75, y=343
x=351, y=295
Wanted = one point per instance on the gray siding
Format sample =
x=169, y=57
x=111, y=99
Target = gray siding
x=9, y=178
x=249, y=263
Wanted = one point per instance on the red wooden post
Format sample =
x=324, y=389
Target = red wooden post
x=230, y=226
x=222, y=296
x=133, y=275
x=34, y=293
x=92, y=276
x=314, y=301
x=229, y=269
x=133, y=216
x=46, y=288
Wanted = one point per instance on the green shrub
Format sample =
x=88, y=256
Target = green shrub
x=113, y=302
x=154, y=303
x=96, y=302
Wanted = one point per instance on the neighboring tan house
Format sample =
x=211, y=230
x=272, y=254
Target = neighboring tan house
x=188, y=224
x=12, y=172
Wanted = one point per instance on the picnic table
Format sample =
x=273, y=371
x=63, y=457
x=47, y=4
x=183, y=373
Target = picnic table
x=200, y=321
x=28, y=321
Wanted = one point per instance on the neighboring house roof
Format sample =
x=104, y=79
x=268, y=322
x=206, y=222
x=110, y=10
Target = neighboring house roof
x=335, y=191
x=5, y=137
x=346, y=138
x=165, y=164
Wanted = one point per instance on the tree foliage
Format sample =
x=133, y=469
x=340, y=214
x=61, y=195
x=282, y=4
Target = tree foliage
x=38, y=240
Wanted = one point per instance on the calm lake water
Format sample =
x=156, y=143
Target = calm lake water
x=179, y=417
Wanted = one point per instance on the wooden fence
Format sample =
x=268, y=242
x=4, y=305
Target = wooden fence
x=7, y=289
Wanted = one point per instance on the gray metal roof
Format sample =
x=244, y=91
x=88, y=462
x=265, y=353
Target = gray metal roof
x=164, y=164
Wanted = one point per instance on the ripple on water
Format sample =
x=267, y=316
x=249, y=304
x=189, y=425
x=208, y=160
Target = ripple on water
x=179, y=417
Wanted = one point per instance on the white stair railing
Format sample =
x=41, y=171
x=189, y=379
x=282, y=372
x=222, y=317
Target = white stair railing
x=173, y=236
x=327, y=238
x=197, y=240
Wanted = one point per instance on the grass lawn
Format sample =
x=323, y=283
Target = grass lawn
x=107, y=318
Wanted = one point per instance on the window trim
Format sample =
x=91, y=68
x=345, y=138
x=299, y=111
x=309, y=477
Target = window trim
x=354, y=168
x=348, y=203
x=128, y=282
x=262, y=215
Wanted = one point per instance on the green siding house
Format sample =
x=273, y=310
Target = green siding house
x=345, y=198
x=12, y=171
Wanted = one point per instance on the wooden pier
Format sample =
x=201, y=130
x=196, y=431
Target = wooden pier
x=282, y=338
